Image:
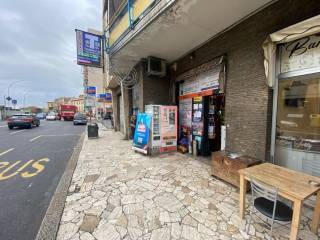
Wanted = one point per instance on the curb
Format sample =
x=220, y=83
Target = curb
x=50, y=223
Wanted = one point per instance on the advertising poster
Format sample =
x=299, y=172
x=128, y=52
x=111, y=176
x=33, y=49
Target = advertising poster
x=89, y=49
x=185, y=112
x=91, y=91
x=197, y=118
x=89, y=101
x=168, y=128
x=141, y=134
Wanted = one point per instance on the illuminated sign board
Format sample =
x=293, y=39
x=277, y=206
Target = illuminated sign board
x=89, y=49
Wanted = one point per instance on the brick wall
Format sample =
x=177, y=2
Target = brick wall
x=156, y=90
x=248, y=99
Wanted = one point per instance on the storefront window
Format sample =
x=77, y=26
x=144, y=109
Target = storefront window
x=298, y=119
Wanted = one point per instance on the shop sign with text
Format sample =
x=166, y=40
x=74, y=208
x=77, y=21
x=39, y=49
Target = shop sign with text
x=89, y=49
x=202, y=85
x=91, y=91
x=301, y=54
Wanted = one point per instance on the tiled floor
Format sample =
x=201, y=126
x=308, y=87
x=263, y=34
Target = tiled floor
x=119, y=194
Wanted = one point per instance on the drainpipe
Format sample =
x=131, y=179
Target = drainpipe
x=130, y=14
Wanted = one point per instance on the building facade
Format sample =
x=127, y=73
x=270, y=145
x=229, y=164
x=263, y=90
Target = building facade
x=50, y=106
x=59, y=101
x=79, y=103
x=94, y=77
x=253, y=65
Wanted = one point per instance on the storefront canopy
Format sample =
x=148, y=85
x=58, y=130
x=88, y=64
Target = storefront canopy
x=297, y=31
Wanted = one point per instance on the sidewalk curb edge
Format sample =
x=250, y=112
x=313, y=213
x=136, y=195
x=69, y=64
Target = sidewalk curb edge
x=51, y=221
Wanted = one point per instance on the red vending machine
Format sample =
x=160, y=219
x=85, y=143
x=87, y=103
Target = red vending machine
x=169, y=128
x=163, y=128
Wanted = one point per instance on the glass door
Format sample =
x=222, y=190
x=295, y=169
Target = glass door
x=297, y=139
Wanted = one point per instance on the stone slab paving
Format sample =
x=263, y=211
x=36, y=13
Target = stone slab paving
x=119, y=194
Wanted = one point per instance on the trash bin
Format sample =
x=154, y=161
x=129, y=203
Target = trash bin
x=93, y=130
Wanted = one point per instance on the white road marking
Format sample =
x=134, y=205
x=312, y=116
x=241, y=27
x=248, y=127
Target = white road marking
x=31, y=140
x=60, y=135
x=9, y=150
x=16, y=132
x=3, y=126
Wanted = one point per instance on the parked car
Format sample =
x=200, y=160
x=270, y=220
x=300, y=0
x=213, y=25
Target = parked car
x=23, y=120
x=79, y=118
x=51, y=116
x=41, y=115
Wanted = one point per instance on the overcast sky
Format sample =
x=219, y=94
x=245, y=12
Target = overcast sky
x=37, y=45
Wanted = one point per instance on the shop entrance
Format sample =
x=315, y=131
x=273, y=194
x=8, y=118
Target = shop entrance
x=207, y=118
x=200, y=93
x=200, y=122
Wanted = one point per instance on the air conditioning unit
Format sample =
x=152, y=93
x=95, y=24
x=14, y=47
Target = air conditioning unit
x=156, y=67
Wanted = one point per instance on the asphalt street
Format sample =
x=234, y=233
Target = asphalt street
x=32, y=162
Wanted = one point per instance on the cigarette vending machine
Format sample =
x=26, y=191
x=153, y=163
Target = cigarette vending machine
x=155, y=137
x=163, y=128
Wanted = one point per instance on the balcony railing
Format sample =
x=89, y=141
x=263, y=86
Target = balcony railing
x=126, y=17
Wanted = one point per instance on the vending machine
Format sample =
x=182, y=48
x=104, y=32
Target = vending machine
x=155, y=137
x=163, y=128
x=169, y=128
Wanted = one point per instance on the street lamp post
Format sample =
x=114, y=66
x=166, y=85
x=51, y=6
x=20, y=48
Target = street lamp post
x=4, y=107
x=10, y=85
x=8, y=98
x=24, y=99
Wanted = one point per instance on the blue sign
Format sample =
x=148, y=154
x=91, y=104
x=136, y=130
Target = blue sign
x=89, y=48
x=141, y=134
x=91, y=91
x=108, y=97
x=14, y=102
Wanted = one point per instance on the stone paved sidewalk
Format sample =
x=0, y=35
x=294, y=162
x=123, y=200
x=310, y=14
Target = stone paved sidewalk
x=118, y=194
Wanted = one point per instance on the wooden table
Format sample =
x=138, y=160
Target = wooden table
x=291, y=185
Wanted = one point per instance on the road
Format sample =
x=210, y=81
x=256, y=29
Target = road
x=32, y=162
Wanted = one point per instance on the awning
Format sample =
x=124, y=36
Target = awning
x=299, y=30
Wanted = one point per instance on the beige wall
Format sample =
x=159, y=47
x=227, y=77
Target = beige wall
x=79, y=103
x=95, y=78
x=49, y=105
x=61, y=100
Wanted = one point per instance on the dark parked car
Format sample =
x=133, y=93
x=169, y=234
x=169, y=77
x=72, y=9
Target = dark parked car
x=79, y=119
x=23, y=120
